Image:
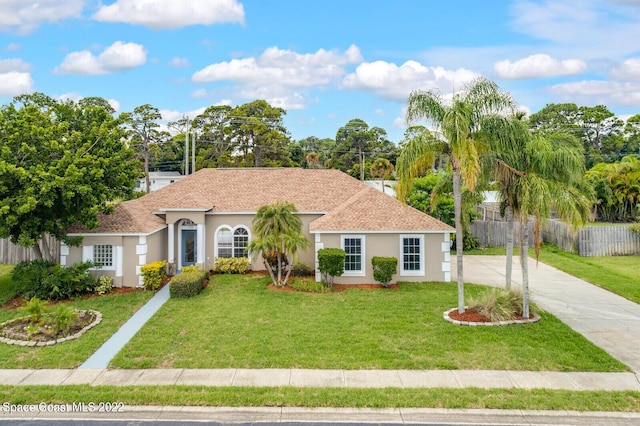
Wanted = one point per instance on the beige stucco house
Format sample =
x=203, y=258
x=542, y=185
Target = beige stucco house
x=208, y=215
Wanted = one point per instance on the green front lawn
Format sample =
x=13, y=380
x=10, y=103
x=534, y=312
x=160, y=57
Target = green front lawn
x=618, y=274
x=7, y=286
x=116, y=309
x=237, y=322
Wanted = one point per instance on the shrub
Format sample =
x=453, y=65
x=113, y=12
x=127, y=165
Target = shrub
x=64, y=316
x=635, y=228
x=384, y=268
x=499, y=304
x=231, y=265
x=187, y=284
x=331, y=264
x=47, y=280
x=309, y=285
x=153, y=274
x=302, y=270
x=104, y=285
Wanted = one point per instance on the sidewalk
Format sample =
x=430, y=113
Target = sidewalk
x=294, y=377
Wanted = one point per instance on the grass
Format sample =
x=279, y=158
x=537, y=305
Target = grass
x=7, y=286
x=237, y=322
x=618, y=274
x=115, y=309
x=467, y=398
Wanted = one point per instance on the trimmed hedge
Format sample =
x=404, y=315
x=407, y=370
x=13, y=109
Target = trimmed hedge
x=384, y=268
x=187, y=284
x=231, y=265
x=331, y=264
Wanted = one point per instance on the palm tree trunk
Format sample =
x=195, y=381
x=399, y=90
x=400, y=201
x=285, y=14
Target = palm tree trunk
x=524, y=257
x=457, y=208
x=510, y=222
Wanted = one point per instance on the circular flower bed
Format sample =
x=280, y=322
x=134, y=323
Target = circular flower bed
x=24, y=332
x=473, y=318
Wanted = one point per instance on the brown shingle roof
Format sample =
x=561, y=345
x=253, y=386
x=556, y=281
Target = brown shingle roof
x=350, y=204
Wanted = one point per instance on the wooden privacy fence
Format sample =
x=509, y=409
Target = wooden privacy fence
x=587, y=241
x=12, y=254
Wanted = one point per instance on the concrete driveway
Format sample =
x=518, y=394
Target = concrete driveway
x=608, y=320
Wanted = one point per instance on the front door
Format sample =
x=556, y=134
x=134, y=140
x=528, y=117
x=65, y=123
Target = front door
x=189, y=255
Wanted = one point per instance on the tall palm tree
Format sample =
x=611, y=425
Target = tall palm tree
x=380, y=168
x=535, y=174
x=457, y=123
x=278, y=235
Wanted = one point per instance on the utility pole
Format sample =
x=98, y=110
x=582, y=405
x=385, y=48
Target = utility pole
x=186, y=150
x=193, y=152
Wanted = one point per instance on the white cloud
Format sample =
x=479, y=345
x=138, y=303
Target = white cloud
x=18, y=65
x=590, y=92
x=282, y=67
x=24, y=16
x=179, y=62
x=539, y=65
x=15, y=83
x=163, y=14
x=119, y=56
x=396, y=82
x=629, y=70
x=12, y=47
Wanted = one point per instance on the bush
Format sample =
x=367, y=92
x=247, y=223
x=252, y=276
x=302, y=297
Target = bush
x=104, y=285
x=35, y=309
x=331, y=264
x=187, y=284
x=47, y=280
x=231, y=265
x=499, y=304
x=384, y=268
x=192, y=268
x=64, y=317
x=302, y=270
x=153, y=274
x=309, y=285
x=635, y=228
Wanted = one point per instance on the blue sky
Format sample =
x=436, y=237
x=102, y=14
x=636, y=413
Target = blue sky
x=325, y=62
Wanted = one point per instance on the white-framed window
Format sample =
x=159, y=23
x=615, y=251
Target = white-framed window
x=354, y=248
x=412, y=255
x=231, y=242
x=103, y=255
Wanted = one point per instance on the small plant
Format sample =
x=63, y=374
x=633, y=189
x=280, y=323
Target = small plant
x=104, y=286
x=192, y=268
x=231, y=265
x=35, y=309
x=383, y=269
x=153, y=274
x=64, y=317
x=500, y=305
x=635, y=228
x=331, y=264
x=309, y=285
x=302, y=270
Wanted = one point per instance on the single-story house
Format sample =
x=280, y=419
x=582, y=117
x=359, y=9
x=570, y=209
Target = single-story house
x=208, y=215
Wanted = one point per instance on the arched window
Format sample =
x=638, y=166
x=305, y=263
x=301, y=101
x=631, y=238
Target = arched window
x=232, y=242
x=240, y=242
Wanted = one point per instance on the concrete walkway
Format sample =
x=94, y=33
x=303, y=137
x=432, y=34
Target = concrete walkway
x=606, y=319
x=106, y=352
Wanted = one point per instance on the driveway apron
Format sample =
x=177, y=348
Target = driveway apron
x=606, y=319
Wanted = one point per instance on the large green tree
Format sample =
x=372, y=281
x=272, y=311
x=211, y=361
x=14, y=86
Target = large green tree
x=617, y=187
x=457, y=123
x=277, y=237
x=145, y=134
x=60, y=163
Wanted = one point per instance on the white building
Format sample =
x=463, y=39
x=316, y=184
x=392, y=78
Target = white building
x=158, y=180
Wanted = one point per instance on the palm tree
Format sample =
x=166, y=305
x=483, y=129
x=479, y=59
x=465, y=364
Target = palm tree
x=380, y=168
x=457, y=123
x=278, y=235
x=535, y=173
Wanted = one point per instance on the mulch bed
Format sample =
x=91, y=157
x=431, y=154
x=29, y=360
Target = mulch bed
x=18, y=329
x=471, y=315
